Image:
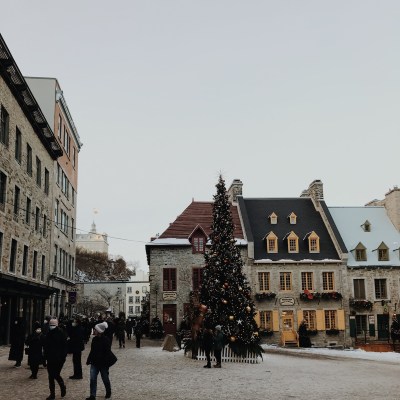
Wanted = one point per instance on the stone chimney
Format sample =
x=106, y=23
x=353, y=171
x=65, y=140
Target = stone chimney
x=392, y=205
x=315, y=191
x=235, y=190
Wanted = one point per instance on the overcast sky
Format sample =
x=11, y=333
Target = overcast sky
x=167, y=94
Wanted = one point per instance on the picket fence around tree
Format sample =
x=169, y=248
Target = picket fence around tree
x=229, y=356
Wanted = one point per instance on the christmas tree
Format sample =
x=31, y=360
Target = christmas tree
x=225, y=294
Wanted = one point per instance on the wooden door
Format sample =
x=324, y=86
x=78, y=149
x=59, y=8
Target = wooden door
x=169, y=319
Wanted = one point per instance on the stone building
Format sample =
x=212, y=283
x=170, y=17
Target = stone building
x=93, y=241
x=28, y=153
x=52, y=101
x=371, y=235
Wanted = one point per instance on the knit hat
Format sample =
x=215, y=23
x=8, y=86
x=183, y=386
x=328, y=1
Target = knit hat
x=53, y=322
x=101, y=327
x=218, y=328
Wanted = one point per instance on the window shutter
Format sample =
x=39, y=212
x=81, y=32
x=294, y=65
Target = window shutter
x=275, y=321
x=300, y=316
x=320, y=320
x=257, y=318
x=341, y=321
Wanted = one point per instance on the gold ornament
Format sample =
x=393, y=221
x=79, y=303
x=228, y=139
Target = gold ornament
x=248, y=308
x=232, y=338
x=225, y=301
x=255, y=333
x=203, y=307
x=231, y=318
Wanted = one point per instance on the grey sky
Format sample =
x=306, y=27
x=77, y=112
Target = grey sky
x=166, y=94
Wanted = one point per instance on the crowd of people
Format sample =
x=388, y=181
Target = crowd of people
x=50, y=341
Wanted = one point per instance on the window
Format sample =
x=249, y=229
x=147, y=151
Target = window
x=18, y=145
x=330, y=319
x=198, y=244
x=272, y=243
x=361, y=324
x=58, y=174
x=129, y=289
x=44, y=230
x=292, y=218
x=43, y=270
x=38, y=172
x=29, y=159
x=366, y=226
x=285, y=280
x=137, y=309
x=130, y=309
x=72, y=196
x=16, y=202
x=137, y=299
x=197, y=278
x=59, y=126
x=313, y=243
x=266, y=320
x=3, y=187
x=328, y=281
x=25, y=261
x=361, y=254
x=130, y=299
x=73, y=157
x=1, y=247
x=307, y=281
x=383, y=252
x=34, y=264
x=56, y=207
x=13, y=255
x=359, y=289
x=380, y=289
x=55, y=259
x=310, y=316
x=4, y=122
x=263, y=281
x=46, y=181
x=37, y=219
x=28, y=211
x=273, y=219
x=293, y=243
x=169, y=279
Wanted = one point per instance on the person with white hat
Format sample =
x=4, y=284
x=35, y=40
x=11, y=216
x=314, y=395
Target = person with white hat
x=97, y=359
x=55, y=353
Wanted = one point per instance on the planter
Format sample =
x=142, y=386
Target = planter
x=310, y=296
x=361, y=305
x=331, y=296
x=265, y=296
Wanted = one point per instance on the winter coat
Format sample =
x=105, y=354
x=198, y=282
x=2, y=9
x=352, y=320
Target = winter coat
x=17, y=340
x=76, y=342
x=55, y=346
x=35, y=342
x=129, y=327
x=120, y=328
x=219, y=340
x=208, y=340
x=100, y=348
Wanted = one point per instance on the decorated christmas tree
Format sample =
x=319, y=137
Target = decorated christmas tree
x=225, y=294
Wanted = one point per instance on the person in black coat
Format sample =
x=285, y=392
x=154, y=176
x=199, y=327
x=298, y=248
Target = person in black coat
x=304, y=339
x=138, y=333
x=129, y=328
x=17, y=340
x=55, y=353
x=76, y=344
x=97, y=359
x=35, y=352
x=120, y=328
x=207, y=344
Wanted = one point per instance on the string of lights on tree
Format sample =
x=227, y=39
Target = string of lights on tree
x=225, y=294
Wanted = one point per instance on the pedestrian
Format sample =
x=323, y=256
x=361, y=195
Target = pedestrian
x=208, y=342
x=129, y=328
x=304, y=339
x=17, y=340
x=138, y=333
x=76, y=344
x=395, y=329
x=219, y=343
x=34, y=341
x=120, y=331
x=97, y=359
x=55, y=353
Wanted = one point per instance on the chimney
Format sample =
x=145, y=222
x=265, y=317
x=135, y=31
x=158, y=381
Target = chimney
x=315, y=190
x=392, y=205
x=235, y=190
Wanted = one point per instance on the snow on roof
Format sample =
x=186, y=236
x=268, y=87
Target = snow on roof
x=287, y=261
x=184, y=242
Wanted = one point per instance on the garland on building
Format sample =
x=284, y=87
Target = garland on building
x=225, y=295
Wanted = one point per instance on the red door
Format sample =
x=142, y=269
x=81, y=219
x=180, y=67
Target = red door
x=169, y=319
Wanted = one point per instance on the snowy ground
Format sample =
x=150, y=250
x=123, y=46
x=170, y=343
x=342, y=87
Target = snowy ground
x=150, y=373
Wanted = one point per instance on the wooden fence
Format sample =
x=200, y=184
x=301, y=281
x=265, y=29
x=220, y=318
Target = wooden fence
x=229, y=356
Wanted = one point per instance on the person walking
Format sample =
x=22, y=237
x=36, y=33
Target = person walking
x=35, y=351
x=138, y=333
x=218, y=345
x=120, y=331
x=55, y=353
x=304, y=340
x=97, y=359
x=129, y=328
x=208, y=341
x=17, y=340
x=76, y=345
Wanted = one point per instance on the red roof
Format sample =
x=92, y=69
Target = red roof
x=198, y=213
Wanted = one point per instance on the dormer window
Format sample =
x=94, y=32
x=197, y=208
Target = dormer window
x=272, y=243
x=361, y=252
x=383, y=252
x=313, y=242
x=198, y=238
x=292, y=218
x=293, y=242
x=273, y=219
x=366, y=226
